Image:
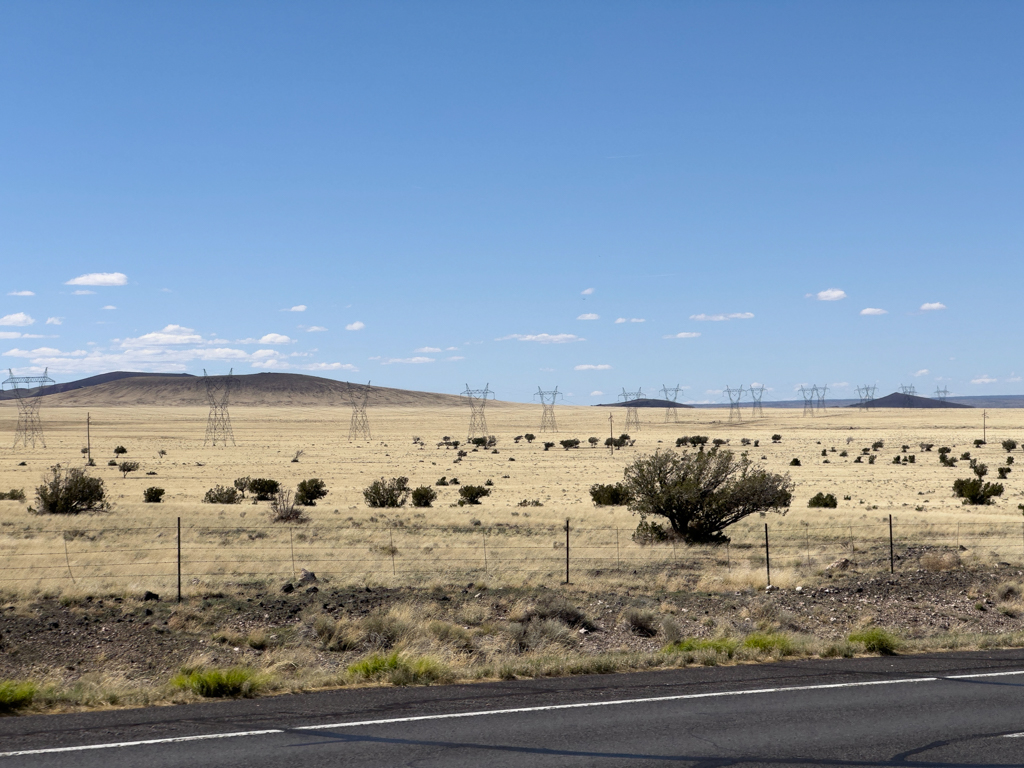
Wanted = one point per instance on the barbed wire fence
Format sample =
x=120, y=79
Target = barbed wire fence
x=178, y=556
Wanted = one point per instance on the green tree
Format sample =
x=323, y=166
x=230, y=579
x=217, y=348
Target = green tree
x=70, y=491
x=310, y=491
x=387, y=493
x=701, y=494
x=128, y=466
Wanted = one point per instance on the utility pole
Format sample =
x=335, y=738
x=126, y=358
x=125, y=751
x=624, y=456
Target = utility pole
x=611, y=434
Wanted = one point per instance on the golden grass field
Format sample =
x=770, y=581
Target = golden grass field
x=132, y=547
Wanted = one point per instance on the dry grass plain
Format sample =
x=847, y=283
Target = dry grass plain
x=475, y=592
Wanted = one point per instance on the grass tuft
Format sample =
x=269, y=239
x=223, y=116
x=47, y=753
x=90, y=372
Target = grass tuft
x=234, y=682
x=876, y=640
x=15, y=695
x=723, y=645
x=770, y=643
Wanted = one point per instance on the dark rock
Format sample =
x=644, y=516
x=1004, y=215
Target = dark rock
x=312, y=590
x=307, y=577
x=150, y=596
x=288, y=588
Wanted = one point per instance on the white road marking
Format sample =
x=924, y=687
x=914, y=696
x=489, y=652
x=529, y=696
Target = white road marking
x=1013, y=735
x=483, y=713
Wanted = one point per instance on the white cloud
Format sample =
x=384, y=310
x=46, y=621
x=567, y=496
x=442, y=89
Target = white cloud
x=830, y=294
x=110, y=306
x=358, y=325
x=18, y=318
x=44, y=352
x=99, y=278
x=83, y=293
x=601, y=367
x=454, y=358
x=932, y=306
x=588, y=316
x=631, y=320
x=330, y=367
x=275, y=338
x=19, y=335
x=21, y=293
x=171, y=334
x=984, y=379
x=719, y=318
x=296, y=308
x=587, y=291
x=544, y=338
x=596, y=393
x=315, y=329
x=409, y=360
x=55, y=321
x=922, y=372
x=427, y=349
x=451, y=349
x=873, y=311
x=683, y=335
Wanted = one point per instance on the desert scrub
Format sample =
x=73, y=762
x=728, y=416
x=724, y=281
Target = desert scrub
x=69, y=492
x=876, y=640
x=399, y=669
x=641, y=622
x=15, y=695
x=723, y=645
x=234, y=682
x=770, y=643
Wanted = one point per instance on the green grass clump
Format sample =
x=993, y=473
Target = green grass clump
x=769, y=642
x=876, y=640
x=234, y=682
x=15, y=695
x=401, y=670
x=724, y=645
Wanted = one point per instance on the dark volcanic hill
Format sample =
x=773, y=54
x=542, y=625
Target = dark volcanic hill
x=644, y=403
x=91, y=381
x=899, y=400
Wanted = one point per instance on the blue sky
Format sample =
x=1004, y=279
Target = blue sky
x=426, y=195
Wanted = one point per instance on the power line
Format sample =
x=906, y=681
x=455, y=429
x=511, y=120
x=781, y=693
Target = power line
x=866, y=395
x=632, y=414
x=942, y=394
x=822, y=391
x=30, y=428
x=218, y=425
x=359, y=426
x=908, y=389
x=735, y=395
x=547, y=401
x=756, y=393
x=672, y=395
x=810, y=399
x=477, y=418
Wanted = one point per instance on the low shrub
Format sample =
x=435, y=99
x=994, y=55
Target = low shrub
x=769, y=642
x=548, y=446
x=471, y=494
x=283, y=508
x=776, y=438
x=607, y=495
x=979, y=442
x=423, y=496
x=1009, y=445
x=263, y=488
x=242, y=485
x=571, y=443
x=641, y=622
x=128, y=466
x=310, y=491
x=825, y=500
x=120, y=450
x=15, y=494
x=724, y=645
x=649, y=533
x=234, y=682
x=398, y=669
x=976, y=492
x=387, y=493
x=15, y=695
x=221, y=494
x=69, y=492
x=795, y=462
x=153, y=495
x=876, y=640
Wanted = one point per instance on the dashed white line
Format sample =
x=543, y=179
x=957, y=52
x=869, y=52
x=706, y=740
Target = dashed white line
x=484, y=713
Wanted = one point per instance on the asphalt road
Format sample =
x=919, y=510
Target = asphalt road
x=939, y=710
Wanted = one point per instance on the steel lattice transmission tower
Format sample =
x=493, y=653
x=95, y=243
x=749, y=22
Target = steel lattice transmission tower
x=547, y=401
x=218, y=425
x=810, y=399
x=672, y=395
x=821, y=391
x=477, y=418
x=30, y=428
x=942, y=394
x=908, y=389
x=866, y=395
x=735, y=395
x=632, y=413
x=359, y=427
x=756, y=393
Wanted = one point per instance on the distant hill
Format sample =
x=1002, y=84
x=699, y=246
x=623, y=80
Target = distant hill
x=257, y=389
x=644, y=403
x=91, y=381
x=899, y=400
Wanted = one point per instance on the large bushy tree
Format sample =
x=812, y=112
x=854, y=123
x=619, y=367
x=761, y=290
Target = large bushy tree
x=703, y=493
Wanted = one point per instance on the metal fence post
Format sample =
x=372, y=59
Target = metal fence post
x=892, y=556
x=391, y=540
x=483, y=533
x=179, y=559
x=567, y=550
x=767, y=555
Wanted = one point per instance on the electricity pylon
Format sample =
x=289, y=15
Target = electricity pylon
x=672, y=395
x=942, y=394
x=547, y=401
x=632, y=414
x=810, y=398
x=866, y=395
x=756, y=393
x=822, y=391
x=30, y=428
x=735, y=395
x=477, y=419
x=908, y=389
x=218, y=425
x=359, y=426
